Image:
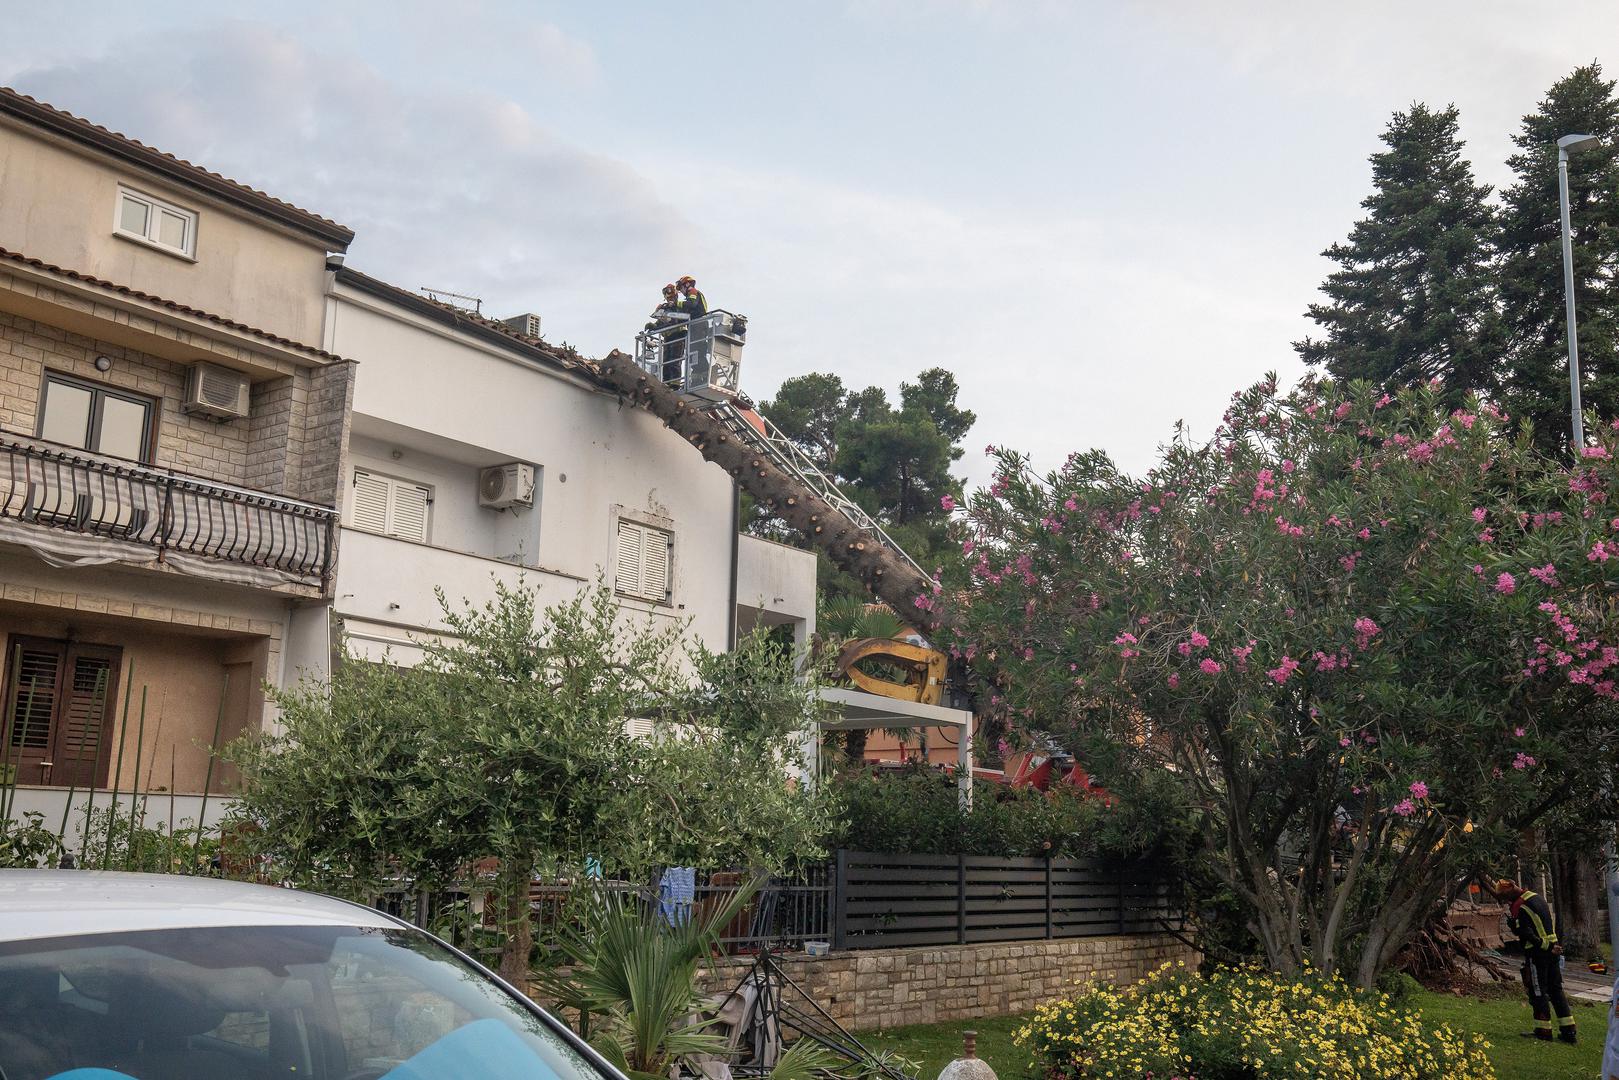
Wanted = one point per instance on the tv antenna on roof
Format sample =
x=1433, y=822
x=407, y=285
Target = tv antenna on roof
x=444, y=296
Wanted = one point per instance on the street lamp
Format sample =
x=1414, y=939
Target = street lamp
x=1571, y=144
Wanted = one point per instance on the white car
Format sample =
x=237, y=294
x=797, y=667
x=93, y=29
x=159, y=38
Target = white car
x=107, y=976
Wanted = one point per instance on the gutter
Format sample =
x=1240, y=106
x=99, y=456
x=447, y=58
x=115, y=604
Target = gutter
x=736, y=547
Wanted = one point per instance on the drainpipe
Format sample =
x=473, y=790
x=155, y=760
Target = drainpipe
x=736, y=546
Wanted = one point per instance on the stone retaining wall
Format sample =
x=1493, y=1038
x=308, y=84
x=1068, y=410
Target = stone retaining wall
x=883, y=988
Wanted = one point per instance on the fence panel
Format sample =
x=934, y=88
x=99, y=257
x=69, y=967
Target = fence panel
x=885, y=900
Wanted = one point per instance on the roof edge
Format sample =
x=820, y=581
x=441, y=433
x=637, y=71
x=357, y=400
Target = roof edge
x=86, y=133
x=487, y=330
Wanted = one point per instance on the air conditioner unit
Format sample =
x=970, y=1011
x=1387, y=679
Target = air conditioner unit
x=500, y=486
x=216, y=392
x=527, y=324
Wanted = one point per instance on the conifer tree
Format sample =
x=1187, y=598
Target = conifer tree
x=1411, y=301
x=1535, y=384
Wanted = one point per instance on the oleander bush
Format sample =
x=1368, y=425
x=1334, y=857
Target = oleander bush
x=1244, y=1024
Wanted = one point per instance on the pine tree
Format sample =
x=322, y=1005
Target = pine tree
x=1412, y=300
x=1536, y=378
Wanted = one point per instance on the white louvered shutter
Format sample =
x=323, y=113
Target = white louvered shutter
x=369, y=510
x=628, y=559
x=409, y=511
x=655, y=565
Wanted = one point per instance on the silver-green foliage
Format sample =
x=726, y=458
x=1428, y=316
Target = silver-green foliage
x=507, y=742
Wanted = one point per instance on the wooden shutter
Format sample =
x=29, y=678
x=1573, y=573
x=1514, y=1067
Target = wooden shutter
x=627, y=575
x=655, y=544
x=34, y=672
x=369, y=510
x=59, y=705
x=408, y=511
x=82, y=743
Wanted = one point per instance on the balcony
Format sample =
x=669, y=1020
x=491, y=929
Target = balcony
x=191, y=523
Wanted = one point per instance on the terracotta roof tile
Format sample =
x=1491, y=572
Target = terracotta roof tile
x=172, y=305
x=33, y=110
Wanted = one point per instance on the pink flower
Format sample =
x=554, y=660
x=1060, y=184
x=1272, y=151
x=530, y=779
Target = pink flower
x=1028, y=654
x=1522, y=761
x=1365, y=534
x=1343, y=410
x=1199, y=641
x=1546, y=575
x=1382, y=401
x=1365, y=631
x=1174, y=681
x=1283, y=671
x=1405, y=808
x=1505, y=584
x=967, y=547
x=1209, y=666
x=1419, y=789
x=1344, y=742
x=1518, y=731
x=1487, y=536
x=1184, y=648
x=1287, y=465
x=948, y=502
x=1479, y=514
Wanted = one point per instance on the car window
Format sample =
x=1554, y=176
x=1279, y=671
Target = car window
x=324, y=1003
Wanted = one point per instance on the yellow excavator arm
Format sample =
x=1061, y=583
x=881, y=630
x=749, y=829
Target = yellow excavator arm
x=924, y=669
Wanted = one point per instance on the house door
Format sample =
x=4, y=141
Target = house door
x=60, y=698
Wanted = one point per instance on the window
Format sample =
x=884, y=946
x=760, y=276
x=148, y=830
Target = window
x=153, y=221
x=643, y=561
x=390, y=507
x=97, y=418
x=59, y=709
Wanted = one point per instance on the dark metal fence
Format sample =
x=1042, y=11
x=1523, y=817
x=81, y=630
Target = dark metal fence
x=164, y=510
x=887, y=900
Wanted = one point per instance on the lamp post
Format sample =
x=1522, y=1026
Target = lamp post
x=1566, y=145
x=1573, y=144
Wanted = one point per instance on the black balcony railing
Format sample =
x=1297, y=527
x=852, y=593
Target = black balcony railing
x=168, y=511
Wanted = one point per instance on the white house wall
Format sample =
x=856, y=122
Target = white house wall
x=430, y=405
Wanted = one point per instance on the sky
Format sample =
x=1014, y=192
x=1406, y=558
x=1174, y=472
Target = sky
x=1104, y=218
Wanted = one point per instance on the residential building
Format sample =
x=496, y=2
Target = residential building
x=478, y=454
x=172, y=441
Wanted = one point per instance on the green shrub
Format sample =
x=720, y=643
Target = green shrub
x=917, y=811
x=1244, y=1024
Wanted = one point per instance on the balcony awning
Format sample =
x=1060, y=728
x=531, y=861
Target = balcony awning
x=66, y=550
x=856, y=710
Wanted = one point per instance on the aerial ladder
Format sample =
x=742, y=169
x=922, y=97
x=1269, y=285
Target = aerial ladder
x=687, y=373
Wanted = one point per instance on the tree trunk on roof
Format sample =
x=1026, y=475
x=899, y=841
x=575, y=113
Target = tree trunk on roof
x=886, y=575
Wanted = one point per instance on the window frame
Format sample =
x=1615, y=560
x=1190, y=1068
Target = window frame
x=155, y=206
x=99, y=392
x=394, y=484
x=646, y=529
x=60, y=773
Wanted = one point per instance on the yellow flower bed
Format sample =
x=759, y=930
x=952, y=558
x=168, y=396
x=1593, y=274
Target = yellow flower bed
x=1243, y=1024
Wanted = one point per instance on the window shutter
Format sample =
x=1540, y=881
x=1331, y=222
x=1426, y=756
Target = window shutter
x=637, y=727
x=84, y=721
x=628, y=573
x=370, y=507
x=33, y=699
x=410, y=502
x=655, y=565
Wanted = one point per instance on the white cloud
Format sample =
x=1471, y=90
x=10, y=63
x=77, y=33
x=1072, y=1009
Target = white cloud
x=456, y=189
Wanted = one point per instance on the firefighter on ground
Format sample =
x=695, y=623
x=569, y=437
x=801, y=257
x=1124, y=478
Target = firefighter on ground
x=1532, y=920
x=692, y=302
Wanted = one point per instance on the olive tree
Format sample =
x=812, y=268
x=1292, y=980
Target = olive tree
x=507, y=741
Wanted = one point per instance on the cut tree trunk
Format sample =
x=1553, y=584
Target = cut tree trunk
x=885, y=574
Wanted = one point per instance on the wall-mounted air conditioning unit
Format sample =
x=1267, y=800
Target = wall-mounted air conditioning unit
x=216, y=392
x=501, y=486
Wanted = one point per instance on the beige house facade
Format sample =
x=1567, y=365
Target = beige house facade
x=172, y=447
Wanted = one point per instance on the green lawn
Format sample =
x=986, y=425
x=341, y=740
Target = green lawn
x=1498, y=1019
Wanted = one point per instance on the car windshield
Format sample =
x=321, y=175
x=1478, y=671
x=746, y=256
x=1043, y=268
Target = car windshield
x=244, y=1003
